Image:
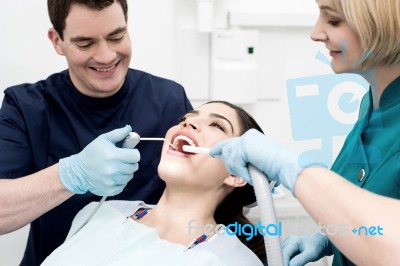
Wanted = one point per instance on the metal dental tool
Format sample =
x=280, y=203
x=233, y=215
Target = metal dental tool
x=159, y=139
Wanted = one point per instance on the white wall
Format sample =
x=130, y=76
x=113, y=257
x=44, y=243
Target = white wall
x=166, y=43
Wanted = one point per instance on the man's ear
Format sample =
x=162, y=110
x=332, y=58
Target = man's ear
x=235, y=181
x=55, y=40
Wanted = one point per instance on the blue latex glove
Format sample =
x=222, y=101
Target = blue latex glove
x=278, y=163
x=301, y=250
x=101, y=167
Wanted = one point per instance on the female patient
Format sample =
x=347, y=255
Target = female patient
x=200, y=195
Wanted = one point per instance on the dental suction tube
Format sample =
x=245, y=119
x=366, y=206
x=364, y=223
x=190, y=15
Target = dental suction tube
x=267, y=213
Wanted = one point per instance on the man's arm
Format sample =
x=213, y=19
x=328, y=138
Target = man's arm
x=100, y=168
x=332, y=200
x=24, y=199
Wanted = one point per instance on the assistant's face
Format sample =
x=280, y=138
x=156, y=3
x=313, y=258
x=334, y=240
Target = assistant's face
x=202, y=127
x=97, y=48
x=341, y=41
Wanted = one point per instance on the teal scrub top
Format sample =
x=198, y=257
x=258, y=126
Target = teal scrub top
x=370, y=155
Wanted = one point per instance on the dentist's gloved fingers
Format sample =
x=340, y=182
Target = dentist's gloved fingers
x=122, y=179
x=124, y=169
x=128, y=156
x=97, y=168
x=112, y=185
x=115, y=190
x=118, y=134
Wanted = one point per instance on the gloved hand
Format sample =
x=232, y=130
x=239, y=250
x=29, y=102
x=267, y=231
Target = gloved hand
x=100, y=167
x=278, y=163
x=301, y=250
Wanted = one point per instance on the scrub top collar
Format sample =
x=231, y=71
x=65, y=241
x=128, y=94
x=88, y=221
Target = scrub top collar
x=94, y=103
x=391, y=94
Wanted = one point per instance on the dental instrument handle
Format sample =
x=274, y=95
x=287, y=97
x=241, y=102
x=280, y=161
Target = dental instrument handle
x=129, y=142
x=194, y=149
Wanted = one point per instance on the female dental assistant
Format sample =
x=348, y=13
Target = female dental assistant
x=363, y=37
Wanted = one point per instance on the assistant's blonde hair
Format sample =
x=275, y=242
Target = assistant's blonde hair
x=377, y=25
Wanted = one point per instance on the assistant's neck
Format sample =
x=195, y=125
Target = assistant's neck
x=380, y=78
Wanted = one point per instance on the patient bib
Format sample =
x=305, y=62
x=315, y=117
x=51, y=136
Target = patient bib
x=109, y=238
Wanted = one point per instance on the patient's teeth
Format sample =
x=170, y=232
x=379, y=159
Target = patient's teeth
x=184, y=138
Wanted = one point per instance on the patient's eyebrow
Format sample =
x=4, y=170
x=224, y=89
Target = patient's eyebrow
x=196, y=112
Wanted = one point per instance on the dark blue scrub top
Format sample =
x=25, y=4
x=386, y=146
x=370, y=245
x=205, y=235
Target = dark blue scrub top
x=43, y=122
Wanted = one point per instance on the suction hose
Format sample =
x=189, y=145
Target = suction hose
x=267, y=213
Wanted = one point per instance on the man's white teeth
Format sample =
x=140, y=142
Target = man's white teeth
x=105, y=69
x=184, y=138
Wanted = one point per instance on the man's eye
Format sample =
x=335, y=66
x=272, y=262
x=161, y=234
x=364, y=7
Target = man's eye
x=84, y=45
x=117, y=39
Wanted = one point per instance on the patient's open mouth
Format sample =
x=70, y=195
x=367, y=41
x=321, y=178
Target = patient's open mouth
x=180, y=140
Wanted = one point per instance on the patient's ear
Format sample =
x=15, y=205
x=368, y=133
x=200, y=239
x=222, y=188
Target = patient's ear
x=235, y=181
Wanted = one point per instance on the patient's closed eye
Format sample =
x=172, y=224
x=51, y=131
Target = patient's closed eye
x=218, y=125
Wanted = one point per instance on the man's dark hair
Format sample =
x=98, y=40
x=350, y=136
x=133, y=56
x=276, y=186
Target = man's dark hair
x=59, y=9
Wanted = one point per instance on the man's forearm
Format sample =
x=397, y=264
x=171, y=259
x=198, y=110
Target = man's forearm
x=24, y=199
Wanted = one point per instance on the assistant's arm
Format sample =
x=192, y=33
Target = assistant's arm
x=24, y=199
x=328, y=197
x=331, y=199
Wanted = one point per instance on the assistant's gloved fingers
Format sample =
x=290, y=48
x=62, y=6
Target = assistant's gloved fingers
x=118, y=134
x=296, y=253
x=290, y=248
x=242, y=172
x=303, y=258
x=302, y=250
x=228, y=152
x=234, y=166
x=216, y=151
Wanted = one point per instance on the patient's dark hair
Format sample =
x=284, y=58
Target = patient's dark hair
x=230, y=210
x=59, y=10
